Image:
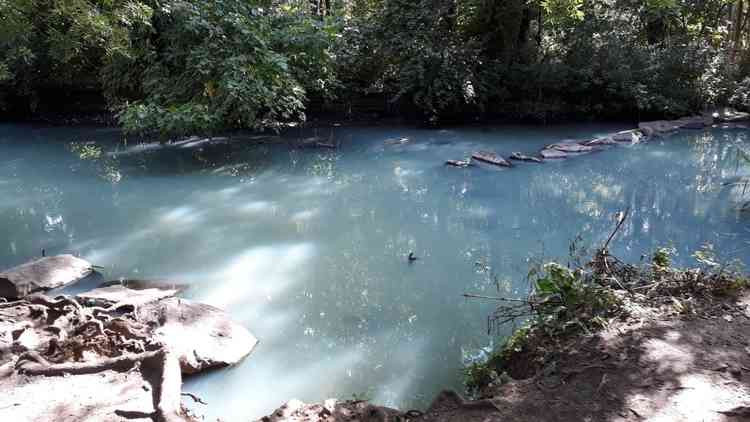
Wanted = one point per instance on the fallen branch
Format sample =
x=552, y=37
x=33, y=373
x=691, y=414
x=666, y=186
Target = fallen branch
x=194, y=397
x=504, y=299
x=617, y=228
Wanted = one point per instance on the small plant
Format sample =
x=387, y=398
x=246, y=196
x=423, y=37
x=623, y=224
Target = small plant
x=86, y=150
x=565, y=299
x=662, y=257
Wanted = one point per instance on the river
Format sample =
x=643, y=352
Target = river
x=308, y=247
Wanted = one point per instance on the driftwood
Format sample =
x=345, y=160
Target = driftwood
x=43, y=274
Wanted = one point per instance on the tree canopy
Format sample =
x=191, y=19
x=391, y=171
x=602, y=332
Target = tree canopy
x=181, y=66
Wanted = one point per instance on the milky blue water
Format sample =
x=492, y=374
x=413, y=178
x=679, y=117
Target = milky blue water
x=307, y=248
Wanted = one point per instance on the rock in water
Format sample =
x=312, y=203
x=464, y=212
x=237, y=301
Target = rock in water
x=632, y=136
x=520, y=157
x=601, y=141
x=399, y=141
x=118, y=295
x=730, y=115
x=694, y=122
x=43, y=274
x=570, y=147
x=316, y=142
x=657, y=127
x=549, y=154
x=200, y=335
x=491, y=158
x=458, y=163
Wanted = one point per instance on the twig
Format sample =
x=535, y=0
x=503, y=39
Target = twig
x=617, y=227
x=194, y=397
x=503, y=299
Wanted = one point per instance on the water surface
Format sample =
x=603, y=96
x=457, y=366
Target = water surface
x=308, y=248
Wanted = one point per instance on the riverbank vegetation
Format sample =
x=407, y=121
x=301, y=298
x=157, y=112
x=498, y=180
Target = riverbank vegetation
x=183, y=66
x=567, y=302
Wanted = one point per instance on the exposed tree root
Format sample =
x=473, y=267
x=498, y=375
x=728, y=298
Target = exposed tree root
x=32, y=363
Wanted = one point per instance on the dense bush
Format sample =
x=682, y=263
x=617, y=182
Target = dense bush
x=180, y=66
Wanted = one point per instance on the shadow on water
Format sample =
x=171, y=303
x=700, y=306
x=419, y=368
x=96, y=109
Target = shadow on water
x=308, y=247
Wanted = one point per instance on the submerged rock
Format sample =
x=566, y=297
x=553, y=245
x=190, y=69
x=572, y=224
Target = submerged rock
x=458, y=163
x=316, y=142
x=606, y=140
x=491, y=158
x=43, y=274
x=521, y=157
x=570, y=147
x=695, y=122
x=200, y=335
x=397, y=141
x=552, y=154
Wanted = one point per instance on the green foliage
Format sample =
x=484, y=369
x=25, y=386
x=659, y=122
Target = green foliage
x=225, y=64
x=181, y=66
x=564, y=299
x=480, y=374
x=662, y=257
x=61, y=43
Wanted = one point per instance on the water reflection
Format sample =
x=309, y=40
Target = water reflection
x=308, y=247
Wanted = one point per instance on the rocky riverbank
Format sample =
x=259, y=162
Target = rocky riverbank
x=117, y=352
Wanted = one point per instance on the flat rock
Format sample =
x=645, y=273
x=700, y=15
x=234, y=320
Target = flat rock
x=198, y=142
x=552, y=154
x=43, y=274
x=657, y=127
x=606, y=140
x=521, y=157
x=491, y=158
x=141, y=284
x=107, y=396
x=694, y=122
x=632, y=136
x=202, y=336
x=120, y=295
x=570, y=147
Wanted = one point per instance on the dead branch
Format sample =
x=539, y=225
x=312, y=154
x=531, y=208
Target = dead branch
x=503, y=299
x=194, y=397
x=617, y=228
